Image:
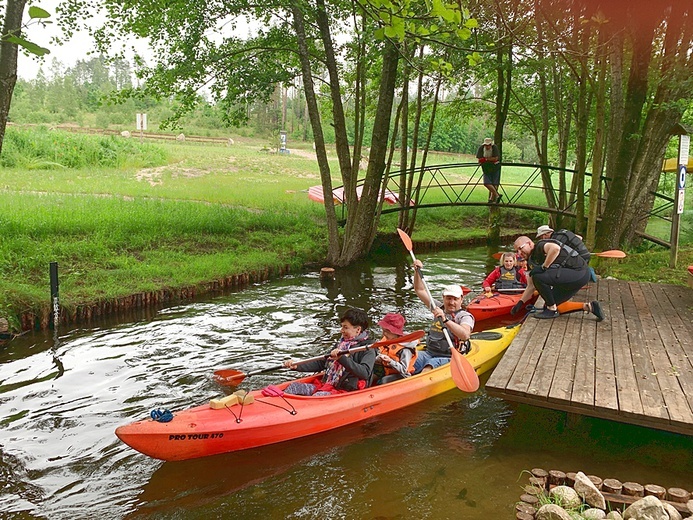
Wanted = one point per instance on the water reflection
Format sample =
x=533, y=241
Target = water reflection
x=452, y=456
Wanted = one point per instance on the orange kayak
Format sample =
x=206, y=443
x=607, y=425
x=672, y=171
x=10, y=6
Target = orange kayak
x=483, y=308
x=206, y=430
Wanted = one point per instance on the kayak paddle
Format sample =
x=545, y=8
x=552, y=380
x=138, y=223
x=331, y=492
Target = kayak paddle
x=462, y=371
x=231, y=377
x=611, y=253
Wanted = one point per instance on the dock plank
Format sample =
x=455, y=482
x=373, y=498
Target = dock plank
x=648, y=386
x=605, y=393
x=508, y=364
x=676, y=409
x=674, y=369
x=564, y=377
x=546, y=364
x=624, y=368
x=584, y=387
x=521, y=379
x=636, y=366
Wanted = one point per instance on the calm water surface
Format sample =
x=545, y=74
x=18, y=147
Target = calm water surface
x=454, y=456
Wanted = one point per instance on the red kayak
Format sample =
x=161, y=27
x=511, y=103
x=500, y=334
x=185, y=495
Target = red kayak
x=483, y=307
x=263, y=419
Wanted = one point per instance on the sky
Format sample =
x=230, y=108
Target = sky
x=69, y=53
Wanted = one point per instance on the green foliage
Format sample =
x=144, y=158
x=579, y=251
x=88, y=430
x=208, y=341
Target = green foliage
x=37, y=16
x=41, y=148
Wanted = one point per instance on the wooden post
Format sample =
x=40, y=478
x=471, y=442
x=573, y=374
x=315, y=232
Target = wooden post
x=684, y=143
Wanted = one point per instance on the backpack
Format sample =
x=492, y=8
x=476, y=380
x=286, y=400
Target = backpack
x=573, y=242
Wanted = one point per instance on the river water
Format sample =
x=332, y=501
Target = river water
x=454, y=456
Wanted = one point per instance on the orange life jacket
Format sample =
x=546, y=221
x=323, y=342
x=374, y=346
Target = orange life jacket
x=393, y=352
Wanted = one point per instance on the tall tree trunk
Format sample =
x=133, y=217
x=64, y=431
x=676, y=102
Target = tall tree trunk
x=542, y=141
x=581, y=124
x=599, y=141
x=504, y=72
x=334, y=246
x=403, y=220
x=14, y=11
x=359, y=241
x=618, y=210
x=424, y=158
x=338, y=117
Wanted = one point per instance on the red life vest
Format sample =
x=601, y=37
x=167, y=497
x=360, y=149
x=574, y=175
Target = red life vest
x=393, y=351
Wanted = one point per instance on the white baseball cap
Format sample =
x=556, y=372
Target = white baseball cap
x=452, y=290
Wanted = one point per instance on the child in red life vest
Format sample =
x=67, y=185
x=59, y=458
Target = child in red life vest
x=505, y=276
x=397, y=360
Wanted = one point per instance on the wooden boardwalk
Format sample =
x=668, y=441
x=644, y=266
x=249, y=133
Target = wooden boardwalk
x=636, y=366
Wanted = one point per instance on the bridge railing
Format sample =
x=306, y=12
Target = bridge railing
x=461, y=184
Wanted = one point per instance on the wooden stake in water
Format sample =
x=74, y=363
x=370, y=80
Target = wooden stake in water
x=55, y=294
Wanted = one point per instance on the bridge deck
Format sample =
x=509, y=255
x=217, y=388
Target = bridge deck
x=634, y=367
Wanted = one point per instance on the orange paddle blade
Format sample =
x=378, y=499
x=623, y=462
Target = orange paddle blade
x=497, y=256
x=229, y=377
x=406, y=240
x=463, y=373
x=611, y=253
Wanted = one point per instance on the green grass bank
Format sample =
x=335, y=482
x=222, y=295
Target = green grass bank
x=124, y=218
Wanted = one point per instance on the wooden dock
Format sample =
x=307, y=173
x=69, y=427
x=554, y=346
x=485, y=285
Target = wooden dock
x=636, y=366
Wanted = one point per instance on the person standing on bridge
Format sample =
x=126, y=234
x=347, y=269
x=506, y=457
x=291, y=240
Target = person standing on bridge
x=557, y=272
x=489, y=158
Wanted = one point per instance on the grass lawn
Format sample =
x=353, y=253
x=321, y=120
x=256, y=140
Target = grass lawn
x=172, y=215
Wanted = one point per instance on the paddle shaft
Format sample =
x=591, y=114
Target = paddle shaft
x=238, y=376
x=611, y=253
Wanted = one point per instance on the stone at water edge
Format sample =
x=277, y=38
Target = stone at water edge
x=552, y=512
x=588, y=491
x=648, y=508
x=566, y=496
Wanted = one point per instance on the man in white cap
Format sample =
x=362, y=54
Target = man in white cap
x=447, y=314
x=489, y=158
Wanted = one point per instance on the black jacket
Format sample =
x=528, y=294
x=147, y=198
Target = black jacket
x=358, y=365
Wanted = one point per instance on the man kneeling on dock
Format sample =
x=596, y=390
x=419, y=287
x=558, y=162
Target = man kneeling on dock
x=557, y=273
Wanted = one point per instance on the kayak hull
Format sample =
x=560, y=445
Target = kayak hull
x=483, y=308
x=203, y=431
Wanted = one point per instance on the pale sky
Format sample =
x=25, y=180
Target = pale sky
x=73, y=50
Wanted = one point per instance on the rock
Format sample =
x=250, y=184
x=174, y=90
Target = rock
x=552, y=512
x=230, y=142
x=588, y=491
x=566, y=496
x=594, y=514
x=689, y=505
x=648, y=508
x=672, y=512
x=613, y=515
x=180, y=137
x=125, y=134
x=4, y=325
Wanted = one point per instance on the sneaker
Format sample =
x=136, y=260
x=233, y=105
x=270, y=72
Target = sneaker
x=546, y=314
x=596, y=309
x=498, y=199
